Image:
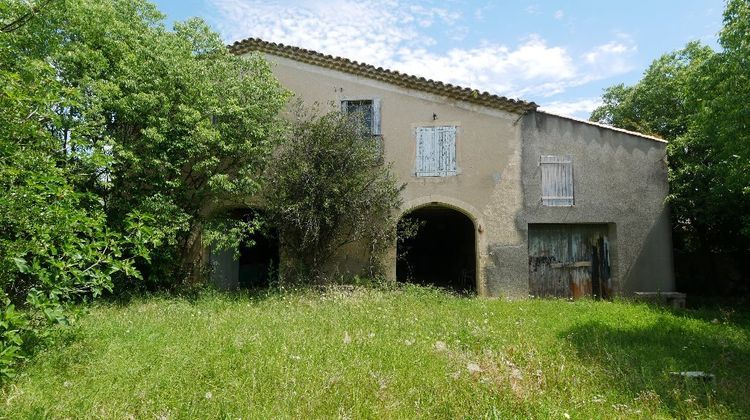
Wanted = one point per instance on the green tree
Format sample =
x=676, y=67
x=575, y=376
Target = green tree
x=165, y=123
x=710, y=174
x=662, y=102
x=211, y=122
x=120, y=143
x=327, y=188
x=697, y=100
x=55, y=245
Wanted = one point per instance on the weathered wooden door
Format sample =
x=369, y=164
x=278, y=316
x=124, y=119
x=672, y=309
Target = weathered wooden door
x=568, y=260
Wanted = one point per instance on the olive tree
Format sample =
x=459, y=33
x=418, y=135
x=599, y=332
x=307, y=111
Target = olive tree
x=327, y=188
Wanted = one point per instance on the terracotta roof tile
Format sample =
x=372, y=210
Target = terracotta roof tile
x=378, y=73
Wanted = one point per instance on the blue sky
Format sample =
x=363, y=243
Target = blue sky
x=559, y=54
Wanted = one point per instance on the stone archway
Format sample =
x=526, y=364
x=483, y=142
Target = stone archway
x=443, y=252
x=259, y=259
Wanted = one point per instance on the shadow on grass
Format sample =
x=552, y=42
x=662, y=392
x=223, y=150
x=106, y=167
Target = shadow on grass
x=639, y=358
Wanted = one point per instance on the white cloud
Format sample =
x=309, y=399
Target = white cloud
x=364, y=31
x=479, y=12
x=580, y=108
x=397, y=34
x=611, y=58
x=609, y=48
x=559, y=14
x=458, y=32
x=494, y=67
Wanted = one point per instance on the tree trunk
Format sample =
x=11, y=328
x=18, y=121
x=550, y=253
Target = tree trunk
x=193, y=256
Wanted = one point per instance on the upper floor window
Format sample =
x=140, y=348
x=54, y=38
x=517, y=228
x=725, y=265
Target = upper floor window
x=368, y=110
x=557, y=180
x=436, y=151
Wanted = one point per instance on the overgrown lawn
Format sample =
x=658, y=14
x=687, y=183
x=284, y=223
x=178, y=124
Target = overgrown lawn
x=408, y=352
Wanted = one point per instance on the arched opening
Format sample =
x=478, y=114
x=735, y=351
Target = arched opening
x=255, y=264
x=258, y=254
x=259, y=262
x=442, y=252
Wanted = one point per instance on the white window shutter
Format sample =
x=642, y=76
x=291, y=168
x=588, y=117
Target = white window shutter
x=376, y=117
x=419, y=136
x=436, y=151
x=424, y=137
x=447, y=140
x=557, y=180
x=433, y=158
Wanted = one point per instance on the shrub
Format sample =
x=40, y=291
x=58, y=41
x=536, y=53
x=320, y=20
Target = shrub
x=327, y=188
x=120, y=141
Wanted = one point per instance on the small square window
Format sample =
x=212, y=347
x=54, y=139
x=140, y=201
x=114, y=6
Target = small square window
x=368, y=110
x=557, y=181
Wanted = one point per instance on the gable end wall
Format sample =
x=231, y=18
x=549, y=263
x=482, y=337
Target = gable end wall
x=619, y=179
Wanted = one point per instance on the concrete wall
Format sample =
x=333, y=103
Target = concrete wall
x=619, y=179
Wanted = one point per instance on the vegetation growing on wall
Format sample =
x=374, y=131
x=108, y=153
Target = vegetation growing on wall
x=327, y=189
x=697, y=99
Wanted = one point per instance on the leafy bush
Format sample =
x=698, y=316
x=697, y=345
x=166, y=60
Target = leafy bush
x=696, y=98
x=120, y=141
x=327, y=188
x=13, y=326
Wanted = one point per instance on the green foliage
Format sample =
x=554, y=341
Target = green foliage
x=119, y=141
x=212, y=122
x=13, y=327
x=697, y=100
x=712, y=160
x=327, y=188
x=55, y=247
x=661, y=103
x=407, y=352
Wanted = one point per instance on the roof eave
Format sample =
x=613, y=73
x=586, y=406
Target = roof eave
x=378, y=73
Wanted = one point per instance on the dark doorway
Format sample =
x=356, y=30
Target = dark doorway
x=442, y=253
x=259, y=254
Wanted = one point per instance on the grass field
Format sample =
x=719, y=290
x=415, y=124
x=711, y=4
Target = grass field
x=408, y=352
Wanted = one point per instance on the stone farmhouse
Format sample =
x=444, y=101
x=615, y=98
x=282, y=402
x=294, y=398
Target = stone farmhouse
x=515, y=201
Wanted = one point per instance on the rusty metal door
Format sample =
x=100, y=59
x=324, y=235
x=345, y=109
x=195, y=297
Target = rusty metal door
x=569, y=260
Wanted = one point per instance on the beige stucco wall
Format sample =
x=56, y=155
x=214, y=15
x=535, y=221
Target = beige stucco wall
x=488, y=147
x=620, y=178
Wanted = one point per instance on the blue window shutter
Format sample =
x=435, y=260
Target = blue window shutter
x=423, y=145
x=448, y=150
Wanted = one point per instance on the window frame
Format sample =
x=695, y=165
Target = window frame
x=375, y=130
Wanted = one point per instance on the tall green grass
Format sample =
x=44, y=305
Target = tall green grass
x=408, y=352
